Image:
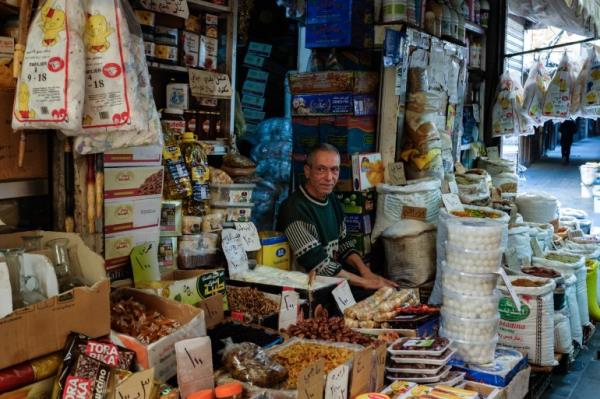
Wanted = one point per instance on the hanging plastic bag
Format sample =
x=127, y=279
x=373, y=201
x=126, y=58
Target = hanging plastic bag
x=50, y=90
x=590, y=95
x=119, y=105
x=557, y=102
x=506, y=111
x=535, y=89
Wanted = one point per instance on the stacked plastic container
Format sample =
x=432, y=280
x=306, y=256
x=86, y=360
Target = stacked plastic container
x=470, y=315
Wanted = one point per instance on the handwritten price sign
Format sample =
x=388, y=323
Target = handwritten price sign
x=209, y=84
x=138, y=386
x=311, y=381
x=337, y=383
x=343, y=296
x=288, y=310
x=179, y=8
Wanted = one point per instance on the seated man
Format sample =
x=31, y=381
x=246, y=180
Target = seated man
x=313, y=221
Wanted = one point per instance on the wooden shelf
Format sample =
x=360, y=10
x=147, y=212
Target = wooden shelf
x=7, y=9
x=210, y=7
x=474, y=28
x=167, y=67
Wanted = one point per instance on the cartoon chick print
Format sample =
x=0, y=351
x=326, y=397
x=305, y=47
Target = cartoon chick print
x=23, y=110
x=52, y=22
x=97, y=32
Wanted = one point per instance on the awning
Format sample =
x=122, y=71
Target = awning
x=581, y=17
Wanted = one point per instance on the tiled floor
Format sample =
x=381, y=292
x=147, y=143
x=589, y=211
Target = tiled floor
x=583, y=380
x=563, y=181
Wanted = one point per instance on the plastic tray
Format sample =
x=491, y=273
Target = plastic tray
x=415, y=352
x=423, y=380
x=433, y=371
x=440, y=361
x=452, y=379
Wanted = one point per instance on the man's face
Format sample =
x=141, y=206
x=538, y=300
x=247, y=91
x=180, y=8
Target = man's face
x=323, y=173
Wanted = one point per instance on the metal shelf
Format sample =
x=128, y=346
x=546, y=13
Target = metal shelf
x=474, y=28
x=208, y=6
x=167, y=67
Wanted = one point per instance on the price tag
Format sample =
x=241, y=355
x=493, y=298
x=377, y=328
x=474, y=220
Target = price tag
x=336, y=386
x=453, y=187
x=209, y=84
x=138, y=386
x=452, y=202
x=288, y=309
x=361, y=371
x=511, y=290
x=459, y=168
x=380, y=357
x=311, y=382
x=396, y=174
x=343, y=296
x=233, y=248
x=535, y=246
x=414, y=212
x=179, y=8
x=213, y=310
x=493, y=152
x=144, y=262
x=249, y=234
x=194, y=365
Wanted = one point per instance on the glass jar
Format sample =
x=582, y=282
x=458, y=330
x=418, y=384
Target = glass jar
x=25, y=287
x=62, y=265
x=32, y=243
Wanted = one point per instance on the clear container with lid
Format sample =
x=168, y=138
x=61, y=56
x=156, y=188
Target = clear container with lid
x=233, y=390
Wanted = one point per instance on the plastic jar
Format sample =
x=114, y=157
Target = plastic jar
x=229, y=391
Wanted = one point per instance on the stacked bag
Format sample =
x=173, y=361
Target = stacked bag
x=473, y=253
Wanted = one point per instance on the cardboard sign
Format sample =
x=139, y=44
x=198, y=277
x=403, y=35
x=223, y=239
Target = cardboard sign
x=493, y=152
x=361, y=371
x=414, y=212
x=343, y=296
x=511, y=290
x=311, y=382
x=179, y=8
x=209, y=84
x=535, y=246
x=213, y=310
x=144, y=262
x=396, y=173
x=233, y=248
x=194, y=365
x=380, y=357
x=288, y=309
x=138, y=386
x=452, y=202
x=336, y=386
x=249, y=234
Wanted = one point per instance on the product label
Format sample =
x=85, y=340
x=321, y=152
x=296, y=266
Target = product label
x=414, y=212
x=200, y=189
x=106, y=100
x=149, y=49
x=258, y=75
x=421, y=343
x=239, y=196
x=164, y=52
x=77, y=388
x=509, y=312
x=105, y=352
x=42, y=90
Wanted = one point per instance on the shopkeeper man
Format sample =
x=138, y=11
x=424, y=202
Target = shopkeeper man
x=313, y=221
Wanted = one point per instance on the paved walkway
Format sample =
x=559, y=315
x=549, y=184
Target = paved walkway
x=563, y=181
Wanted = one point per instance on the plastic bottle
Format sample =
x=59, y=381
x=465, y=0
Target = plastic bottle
x=196, y=163
x=485, y=13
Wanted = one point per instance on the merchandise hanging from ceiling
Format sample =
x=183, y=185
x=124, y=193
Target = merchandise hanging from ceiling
x=581, y=17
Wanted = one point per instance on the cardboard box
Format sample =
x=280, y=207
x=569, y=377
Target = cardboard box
x=306, y=133
x=517, y=389
x=118, y=246
x=7, y=46
x=505, y=367
x=190, y=46
x=367, y=171
x=43, y=328
x=167, y=254
x=359, y=224
x=36, y=151
x=323, y=104
x=323, y=11
x=349, y=134
x=339, y=34
x=161, y=354
x=134, y=156
x=334, y=82
x=133, y=182
x=37, y=390
x=357, y=202
x=131, y=215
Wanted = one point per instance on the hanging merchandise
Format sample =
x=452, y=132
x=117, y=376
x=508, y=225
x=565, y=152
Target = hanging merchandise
x=507, y=114
x=50, y=90
x=589, y=84
x=557, y=102
x=535, y=89
x=119, y=105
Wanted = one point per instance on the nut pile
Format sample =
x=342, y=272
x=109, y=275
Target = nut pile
x=251, y=301
x=130, y=317
x=327, y=329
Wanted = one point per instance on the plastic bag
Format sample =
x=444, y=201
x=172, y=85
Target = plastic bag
x=248, y=362
x=535, y=89
x=508, y=117
x=590, y=87
x=557, y=102
x=50, y=90
x=119, y=109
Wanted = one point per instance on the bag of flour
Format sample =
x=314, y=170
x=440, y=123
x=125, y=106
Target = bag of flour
x=530, y=329
x=50, y=90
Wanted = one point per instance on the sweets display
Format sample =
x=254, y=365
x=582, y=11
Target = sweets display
x=250, y=363
x=132, y=318
x=378, y=308
x=251, y=301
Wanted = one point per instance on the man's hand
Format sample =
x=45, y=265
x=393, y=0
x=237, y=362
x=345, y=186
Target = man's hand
x=372, y=276
x=373, y=284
